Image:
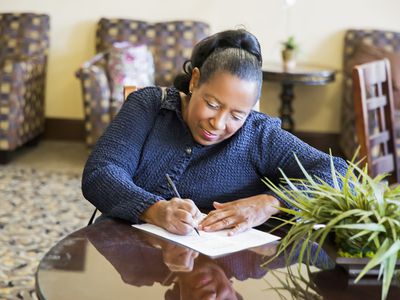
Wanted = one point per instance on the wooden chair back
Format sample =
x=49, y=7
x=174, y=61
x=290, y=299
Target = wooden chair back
x=374, y=115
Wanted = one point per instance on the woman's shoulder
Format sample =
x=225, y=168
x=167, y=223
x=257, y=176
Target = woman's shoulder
x=257, y=128
x=145, y=94
x=154, y=94
x=260, y=122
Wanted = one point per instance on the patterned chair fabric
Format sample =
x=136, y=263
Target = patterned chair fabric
x=388, y=40
x=171, y=44
x=24, y=44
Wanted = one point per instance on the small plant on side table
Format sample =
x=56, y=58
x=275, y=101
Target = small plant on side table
x=289, y=53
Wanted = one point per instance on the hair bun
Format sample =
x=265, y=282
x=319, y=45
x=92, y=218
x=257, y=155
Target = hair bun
x=239, y=38
x=182, y=82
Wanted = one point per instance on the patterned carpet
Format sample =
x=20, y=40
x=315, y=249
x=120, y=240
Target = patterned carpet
x=37, y=209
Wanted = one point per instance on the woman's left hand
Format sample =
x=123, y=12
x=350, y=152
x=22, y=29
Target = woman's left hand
x=241, y=214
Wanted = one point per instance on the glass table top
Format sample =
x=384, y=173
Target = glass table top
x=112, y=260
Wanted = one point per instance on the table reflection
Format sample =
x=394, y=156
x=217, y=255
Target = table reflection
x=144, y=259
x=186, y=273
x=112, y=260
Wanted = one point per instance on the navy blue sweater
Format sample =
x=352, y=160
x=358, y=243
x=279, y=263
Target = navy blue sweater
x=125, y=173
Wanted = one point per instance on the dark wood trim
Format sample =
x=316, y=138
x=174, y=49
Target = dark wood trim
x=322, y=141
x=5, y=157
x=64, y=129
x=74, y=130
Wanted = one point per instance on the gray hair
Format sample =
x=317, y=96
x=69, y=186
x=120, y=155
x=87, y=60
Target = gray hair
x=235, y=61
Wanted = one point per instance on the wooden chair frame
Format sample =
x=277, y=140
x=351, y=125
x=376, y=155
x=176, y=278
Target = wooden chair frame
x=373, y=97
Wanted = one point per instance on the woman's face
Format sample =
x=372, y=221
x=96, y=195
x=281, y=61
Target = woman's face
x=207, y=281
x=219, y=107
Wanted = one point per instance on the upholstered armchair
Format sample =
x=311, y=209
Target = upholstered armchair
x=170, y=44
x=361, y=46
x=24, y=43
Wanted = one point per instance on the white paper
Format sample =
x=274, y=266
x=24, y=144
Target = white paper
x=214, y=243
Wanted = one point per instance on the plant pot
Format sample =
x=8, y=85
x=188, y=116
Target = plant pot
x=354, y=266
x=289, y=59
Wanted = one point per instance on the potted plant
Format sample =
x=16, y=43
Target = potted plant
x=362, y=214
x=289, y=52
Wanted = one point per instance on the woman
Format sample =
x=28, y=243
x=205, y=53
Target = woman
x=205, y=135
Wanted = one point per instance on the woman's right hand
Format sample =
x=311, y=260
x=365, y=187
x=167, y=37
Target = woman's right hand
x=178, y=258
x=177, y=215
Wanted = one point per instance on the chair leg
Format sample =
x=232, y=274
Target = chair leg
x=5, y=157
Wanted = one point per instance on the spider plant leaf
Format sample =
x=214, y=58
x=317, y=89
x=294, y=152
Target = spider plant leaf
x=390, y=265
x=303, y=250
x=386, y=250
x=333, y=172
x=364, y=175
x=305, y=173
x=291, y=221
x=290, y=211
x=333, y=197
x=342, y=216
x=396, y=224
x=288, y=181
x=347, y=183
x=361, y=234
x=378, y=193
x=369, y=227
x=284, y=222
x=375, y=238
x=281, y=193
x=391, y=225
x=382, y=269
x=365, y=217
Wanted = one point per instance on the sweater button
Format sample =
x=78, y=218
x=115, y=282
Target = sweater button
x=188, y=150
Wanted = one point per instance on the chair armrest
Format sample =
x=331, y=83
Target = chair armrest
x=96, y=97
x=98, y=59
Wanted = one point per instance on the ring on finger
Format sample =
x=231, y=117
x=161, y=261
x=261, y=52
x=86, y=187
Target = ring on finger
x=226, y=222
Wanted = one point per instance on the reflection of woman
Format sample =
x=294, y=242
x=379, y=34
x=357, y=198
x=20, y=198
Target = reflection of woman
x=138, y=262
x=143, y=259
x=204, y=133
x=207, y=280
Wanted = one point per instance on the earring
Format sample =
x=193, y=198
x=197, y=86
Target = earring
x=190, y=93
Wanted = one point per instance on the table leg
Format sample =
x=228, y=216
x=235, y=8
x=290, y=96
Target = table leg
x=286, y=109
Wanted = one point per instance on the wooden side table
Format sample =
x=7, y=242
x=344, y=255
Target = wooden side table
x=301, y=75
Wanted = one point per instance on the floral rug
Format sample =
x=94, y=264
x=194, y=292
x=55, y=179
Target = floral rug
x=37, y=209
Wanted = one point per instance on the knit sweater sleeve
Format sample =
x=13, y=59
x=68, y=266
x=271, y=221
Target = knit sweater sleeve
x=107, y=177
x=278, y=149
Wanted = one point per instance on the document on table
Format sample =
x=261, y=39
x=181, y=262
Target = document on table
x=214, y=243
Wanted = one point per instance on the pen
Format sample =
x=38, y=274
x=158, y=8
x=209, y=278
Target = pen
x=172, y=185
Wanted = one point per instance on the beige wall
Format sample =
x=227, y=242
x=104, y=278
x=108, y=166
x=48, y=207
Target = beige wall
x=319, y=26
